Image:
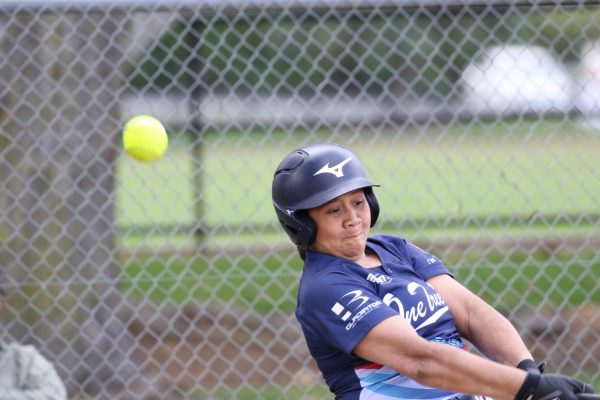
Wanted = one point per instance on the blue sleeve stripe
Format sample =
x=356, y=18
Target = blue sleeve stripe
x=376, y=377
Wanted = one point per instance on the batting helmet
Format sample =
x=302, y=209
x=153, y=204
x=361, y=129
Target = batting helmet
x=311, y=176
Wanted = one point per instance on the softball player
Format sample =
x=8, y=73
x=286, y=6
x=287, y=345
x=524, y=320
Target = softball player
x=382, y=318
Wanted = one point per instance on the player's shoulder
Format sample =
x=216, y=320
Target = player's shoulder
x=324, y=266
x=321, y=271
x=389, y=240
x=323, y=263
x=396, y=245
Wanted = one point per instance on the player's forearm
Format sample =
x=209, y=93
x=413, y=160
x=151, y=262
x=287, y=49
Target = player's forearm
x=449, y=368
x=495, y=336
x=394, y=344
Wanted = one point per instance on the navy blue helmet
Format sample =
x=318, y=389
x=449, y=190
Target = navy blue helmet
x=311, y=176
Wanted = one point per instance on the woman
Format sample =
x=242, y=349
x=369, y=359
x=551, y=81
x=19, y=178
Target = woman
x=382, y=318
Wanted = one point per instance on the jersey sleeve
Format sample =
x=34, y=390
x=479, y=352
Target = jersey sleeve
x=425, y=264
x=340, y=309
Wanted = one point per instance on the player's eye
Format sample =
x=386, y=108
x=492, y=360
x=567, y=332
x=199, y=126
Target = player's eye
x=334, y=210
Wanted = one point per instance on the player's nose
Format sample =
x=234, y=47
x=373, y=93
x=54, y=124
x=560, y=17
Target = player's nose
x=352, y=217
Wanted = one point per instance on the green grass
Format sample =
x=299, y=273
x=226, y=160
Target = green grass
x=270, y=284
x=430, y=178
x=155, y=193
x=514, y=284
x=263, y=285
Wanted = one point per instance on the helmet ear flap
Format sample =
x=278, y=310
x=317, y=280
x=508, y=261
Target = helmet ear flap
x=310, y=228
x=301, y=229
x=373, y=204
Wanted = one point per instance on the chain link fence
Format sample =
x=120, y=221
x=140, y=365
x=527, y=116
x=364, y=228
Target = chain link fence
x=173, y=279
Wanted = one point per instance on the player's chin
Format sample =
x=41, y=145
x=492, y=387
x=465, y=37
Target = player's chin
x=355, y=244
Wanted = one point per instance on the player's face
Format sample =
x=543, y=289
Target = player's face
x=343, y=226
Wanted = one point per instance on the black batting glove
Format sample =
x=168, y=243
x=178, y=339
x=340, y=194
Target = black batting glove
x=529, y=365
x=551, y=387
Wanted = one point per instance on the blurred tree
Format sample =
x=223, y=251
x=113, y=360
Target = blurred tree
x=372, y=49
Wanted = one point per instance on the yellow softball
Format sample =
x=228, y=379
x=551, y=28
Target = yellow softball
x=145, y=138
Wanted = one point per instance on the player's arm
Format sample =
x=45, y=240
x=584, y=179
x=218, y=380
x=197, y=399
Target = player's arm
x=394, y=343
x=480, y=323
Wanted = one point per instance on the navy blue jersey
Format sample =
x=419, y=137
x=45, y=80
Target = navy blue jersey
x=339, y=302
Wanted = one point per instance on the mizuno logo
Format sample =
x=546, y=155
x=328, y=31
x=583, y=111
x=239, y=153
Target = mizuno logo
x=335, y=170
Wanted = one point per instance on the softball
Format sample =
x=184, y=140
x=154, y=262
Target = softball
x=145, y=138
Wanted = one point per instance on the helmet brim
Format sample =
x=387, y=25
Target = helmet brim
x=326, y=196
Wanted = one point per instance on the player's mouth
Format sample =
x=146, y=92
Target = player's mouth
x=354, y=235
